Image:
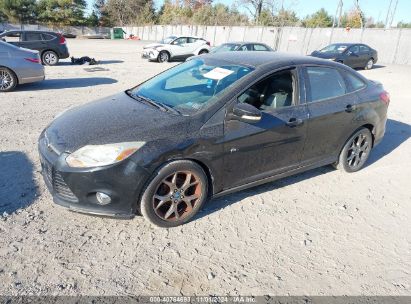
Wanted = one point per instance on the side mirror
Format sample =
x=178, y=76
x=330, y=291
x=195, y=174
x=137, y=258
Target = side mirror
x=246, y=112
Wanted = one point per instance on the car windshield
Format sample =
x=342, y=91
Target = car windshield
x=168, y=40
x=228, y=47
x=335, y=48
x=191, y=86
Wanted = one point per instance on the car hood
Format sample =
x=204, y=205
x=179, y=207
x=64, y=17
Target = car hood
x=324, y=55
x=114, y=119
x=153, y=45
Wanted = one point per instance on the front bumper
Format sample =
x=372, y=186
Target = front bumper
x=150, y=54
x=76, y=188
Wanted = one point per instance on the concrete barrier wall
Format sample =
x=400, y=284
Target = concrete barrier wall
x=393, y=45
x=76, y=30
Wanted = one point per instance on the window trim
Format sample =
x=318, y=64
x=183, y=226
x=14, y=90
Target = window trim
x=307, y=84
x=297, y=90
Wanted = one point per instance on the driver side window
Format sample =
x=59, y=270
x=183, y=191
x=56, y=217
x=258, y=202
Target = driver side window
x=274, y=92
x=355, y=49
x=180, y=41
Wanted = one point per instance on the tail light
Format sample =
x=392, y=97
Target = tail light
x=385, y=97
x=62, y=40
x=34, y=60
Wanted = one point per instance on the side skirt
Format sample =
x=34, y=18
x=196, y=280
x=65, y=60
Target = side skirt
x=322, y=163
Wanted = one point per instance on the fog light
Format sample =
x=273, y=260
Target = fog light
x=102, y=198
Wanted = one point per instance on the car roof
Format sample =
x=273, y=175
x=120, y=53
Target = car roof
x=244, y=42
x=28, y=31
x=257, y=59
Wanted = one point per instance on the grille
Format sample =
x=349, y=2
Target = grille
x=56, y=182
x=62, y=189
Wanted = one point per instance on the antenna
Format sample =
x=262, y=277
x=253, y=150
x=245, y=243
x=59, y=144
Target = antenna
x=392, y=9
x=338, y=13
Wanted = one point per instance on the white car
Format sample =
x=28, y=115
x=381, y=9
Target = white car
x=176, y=47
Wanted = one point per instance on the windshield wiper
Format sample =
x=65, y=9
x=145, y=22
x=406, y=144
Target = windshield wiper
x=146, y=100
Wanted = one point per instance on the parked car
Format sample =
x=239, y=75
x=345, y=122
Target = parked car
x=176, y=48
x=18, y=66
x=355, y=55
x=51, y=46
x=210, y=126
x=242, y=46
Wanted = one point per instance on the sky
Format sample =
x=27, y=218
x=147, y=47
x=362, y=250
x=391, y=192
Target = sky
x=372, y=8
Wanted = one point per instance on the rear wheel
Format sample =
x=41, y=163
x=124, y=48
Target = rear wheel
x=164, y=56
x=369, y=65
x=175, y=194
x=8, y=80
x=49, y=58
x=356, y=151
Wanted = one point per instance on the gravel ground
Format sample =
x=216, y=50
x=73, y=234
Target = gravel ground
x=318, y=233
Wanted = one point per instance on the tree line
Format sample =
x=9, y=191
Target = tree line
x=195, y=12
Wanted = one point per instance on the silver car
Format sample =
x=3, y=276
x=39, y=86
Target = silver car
x=18, y=66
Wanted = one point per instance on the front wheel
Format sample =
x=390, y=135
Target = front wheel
x=369, y=65
x=50, y=58
x=175, y=194
x=356, y=151
x=203, y=52
x=8, y=80
x=163, y=57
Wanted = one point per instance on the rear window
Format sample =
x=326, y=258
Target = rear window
x=33, y=37
x=354, y=82
x=325, y=83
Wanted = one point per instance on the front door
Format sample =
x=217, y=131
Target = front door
x=274, y=143
x=353, y=57
x=331, y=112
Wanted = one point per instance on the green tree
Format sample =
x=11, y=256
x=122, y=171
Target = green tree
x=21, y=11
x=402, y=24
x=62, y=12
x=127, y=12
x=100, y=8
x=353, y=19
x=93, y=19
x=320, y=18
x=282, y=18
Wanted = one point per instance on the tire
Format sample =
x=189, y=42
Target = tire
x=369, y=65
x=163, y=56
x=203, y=52
x=356, y=151
x=174, y=194
x=8, y=80
x=49, y=58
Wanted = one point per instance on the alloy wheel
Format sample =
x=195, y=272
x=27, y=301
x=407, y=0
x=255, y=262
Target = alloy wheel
x=358, y=151
x=177, y=195
x=50, y=58
x=370, y=64
x=163, y=57
x=6, y=80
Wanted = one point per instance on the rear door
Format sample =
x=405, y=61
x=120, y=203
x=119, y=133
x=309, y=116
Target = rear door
x=273, y=144
x=365, y=55
x=331, y=111
x=32, y=40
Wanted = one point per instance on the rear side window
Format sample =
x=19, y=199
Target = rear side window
x=12, y=37
x=364, y=49
x=325, y=83
x=354, y=82
x=33, y=37
x=47, y=37
x=260, y=47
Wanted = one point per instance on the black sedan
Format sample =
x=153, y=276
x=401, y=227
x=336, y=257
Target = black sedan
x=214, y=125
x=242, y=47
x=352, y=54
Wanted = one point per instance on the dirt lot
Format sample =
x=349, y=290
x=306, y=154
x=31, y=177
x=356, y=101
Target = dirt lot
x=319, y=233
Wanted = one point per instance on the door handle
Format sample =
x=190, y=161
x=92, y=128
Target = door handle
x=349, y=108
x=293, y=122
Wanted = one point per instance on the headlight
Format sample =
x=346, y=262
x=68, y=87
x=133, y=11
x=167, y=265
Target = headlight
x=102, y=155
